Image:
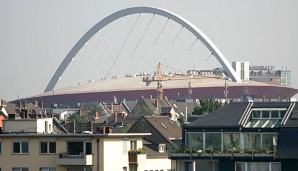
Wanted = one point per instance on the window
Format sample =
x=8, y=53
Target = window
x=47, y=169
x=161, y=148
x=79, y=169
x=231, y=142
x=207, y=165
x=48, y=147
x=194, y=140
x=213, y=141
x=79, y=148
x=133, y=145
x=265, y=114
x=20, y=147
x=256, y=114
x=20, y=169
x=0, y=149
x=246, y=166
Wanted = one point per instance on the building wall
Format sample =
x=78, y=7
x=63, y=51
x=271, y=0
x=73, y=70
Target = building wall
x=113, y=153
x=156, y=164
x=28, y=125
x=241, y=69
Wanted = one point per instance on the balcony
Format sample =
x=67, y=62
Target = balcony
x=134, y=158
x=75, y=160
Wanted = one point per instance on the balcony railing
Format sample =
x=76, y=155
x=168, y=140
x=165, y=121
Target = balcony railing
x=136, y=158
x=73, y=160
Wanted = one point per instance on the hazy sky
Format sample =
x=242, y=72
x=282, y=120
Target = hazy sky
x=35, y=36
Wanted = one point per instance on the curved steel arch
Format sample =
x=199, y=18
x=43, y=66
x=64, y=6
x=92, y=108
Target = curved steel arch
x=134, y=10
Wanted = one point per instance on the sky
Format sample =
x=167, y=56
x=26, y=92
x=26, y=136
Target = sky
x=35, y=36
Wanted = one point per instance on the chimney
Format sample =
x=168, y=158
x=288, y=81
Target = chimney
x=116, y=116
x=185, y=119
x=156, y=104
x=96, y=115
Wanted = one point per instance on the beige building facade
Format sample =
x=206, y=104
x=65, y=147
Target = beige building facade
x=77, y=152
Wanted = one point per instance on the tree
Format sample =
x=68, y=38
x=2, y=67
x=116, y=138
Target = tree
x=77, y=118
x=206, y=106
x=94, y=109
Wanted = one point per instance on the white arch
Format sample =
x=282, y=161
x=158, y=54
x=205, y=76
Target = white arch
x=134, y=10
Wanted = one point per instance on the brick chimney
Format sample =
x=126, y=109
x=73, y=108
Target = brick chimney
x=96, y=115
x=116, y=116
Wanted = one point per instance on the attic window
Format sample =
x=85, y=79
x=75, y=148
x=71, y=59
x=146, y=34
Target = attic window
x=161, y=148
x=163, y=125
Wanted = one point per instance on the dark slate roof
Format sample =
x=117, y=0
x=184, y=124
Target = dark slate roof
x=168, y=128
x=287, y=143
x=130, y=104
x=12, y=108
x=152, y=150
x=271, y=104
x=115, y=108
x=166, y=109
x=151, y=104
x=226, y=116
x=179, y=107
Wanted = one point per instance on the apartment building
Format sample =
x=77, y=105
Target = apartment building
x=246, y=136
x=32, y=145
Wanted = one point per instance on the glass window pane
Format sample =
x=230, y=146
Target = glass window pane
x=274, y=114
x=88, y=148
x=16, y=147
x=240, y=166
x=275, y=167
x=231, y=142
x=282, y=113
x=43, y=147
x=188, y=166
x=252, y=142
x=256, y=114
x=207, y=165
x=74, y=148
x=213, y=141
x=194, y=140
x=267, y=142
x=265, y=114
x=258, y=166
x=16, y=169
x=52, y=147
x=25, y=147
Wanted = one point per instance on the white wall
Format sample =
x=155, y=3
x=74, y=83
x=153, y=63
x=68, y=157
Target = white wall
x=28, y=125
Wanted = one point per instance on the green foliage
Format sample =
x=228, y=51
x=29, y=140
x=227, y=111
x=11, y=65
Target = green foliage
x=93, y=109
x=127, y=128
x=141, y=110
x=206, y=106
x=78, y=119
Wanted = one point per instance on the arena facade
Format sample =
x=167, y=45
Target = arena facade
x=133, y=88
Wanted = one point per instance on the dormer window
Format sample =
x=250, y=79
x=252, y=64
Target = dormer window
x=265, y=117
x=161, y=148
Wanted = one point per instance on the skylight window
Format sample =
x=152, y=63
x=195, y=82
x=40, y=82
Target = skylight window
x=266, y=118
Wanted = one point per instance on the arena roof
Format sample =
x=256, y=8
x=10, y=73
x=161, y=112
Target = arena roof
x=132, y=88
